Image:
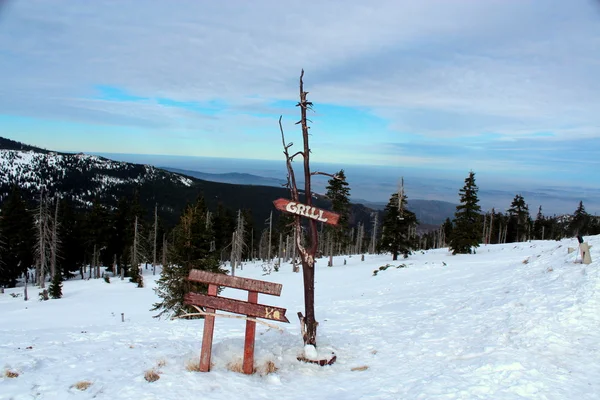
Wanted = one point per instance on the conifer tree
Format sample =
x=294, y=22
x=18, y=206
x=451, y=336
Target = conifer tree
x=190, y=250
x=447, y=228
x=580, y=222
x=397, y=237
x=338, y=192
x=17, y=225
x=467, y=219
x=539, y=226
x=55, y=288
x=519, y=219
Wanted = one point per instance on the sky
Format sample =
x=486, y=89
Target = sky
x=507, y=88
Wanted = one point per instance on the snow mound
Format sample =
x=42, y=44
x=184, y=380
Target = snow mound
x=510, y=322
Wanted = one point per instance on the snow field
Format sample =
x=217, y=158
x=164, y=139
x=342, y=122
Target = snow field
x=514, y=321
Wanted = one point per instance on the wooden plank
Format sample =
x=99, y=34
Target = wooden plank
x=207, y=335
x=248, y=366
x=236, y=282
x=237, y=306
x=303, y=210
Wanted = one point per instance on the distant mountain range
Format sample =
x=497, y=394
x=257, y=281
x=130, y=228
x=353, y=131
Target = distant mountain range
x=234, y=178
x=84, y=178
x=429, y=212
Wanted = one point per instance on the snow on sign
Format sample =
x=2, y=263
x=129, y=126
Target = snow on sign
x=250, y=308
x=303, y=210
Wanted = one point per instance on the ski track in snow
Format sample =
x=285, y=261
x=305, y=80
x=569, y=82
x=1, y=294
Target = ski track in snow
x=514, y=321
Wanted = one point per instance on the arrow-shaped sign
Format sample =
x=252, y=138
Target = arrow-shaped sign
x=303, y=210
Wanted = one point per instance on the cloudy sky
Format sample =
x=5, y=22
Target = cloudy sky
x=507, y=88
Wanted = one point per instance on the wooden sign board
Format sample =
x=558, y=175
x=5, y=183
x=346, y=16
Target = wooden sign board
x=251, y=285
x=303, y=210
x=211, y=302
x=237, y=306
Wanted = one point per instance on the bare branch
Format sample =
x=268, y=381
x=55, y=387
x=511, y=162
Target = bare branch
x=297, y=153
x=334, y=176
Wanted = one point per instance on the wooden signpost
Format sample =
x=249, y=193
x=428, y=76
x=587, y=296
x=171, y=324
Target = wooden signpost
x=303, y=210
x=250, y=308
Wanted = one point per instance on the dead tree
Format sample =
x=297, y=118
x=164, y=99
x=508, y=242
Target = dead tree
x=373, y=248
x=43, y=242
x=137, y=254
x=237, y=243
x=155, y=234
x=54, y=242
x=307, y=253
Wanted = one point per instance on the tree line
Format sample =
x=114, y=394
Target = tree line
x=470, y=227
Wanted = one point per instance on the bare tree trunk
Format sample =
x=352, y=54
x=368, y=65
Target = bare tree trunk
x=164, y=250
x=55, y=241
x=307, y=254
x=280, y=249
x=26, y=283
x=489, y=239
x=374, y=233
x=155, y=233
x=93, y=266
x=270, y=231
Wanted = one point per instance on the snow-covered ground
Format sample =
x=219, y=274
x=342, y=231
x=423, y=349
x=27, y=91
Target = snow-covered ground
x=514, y=321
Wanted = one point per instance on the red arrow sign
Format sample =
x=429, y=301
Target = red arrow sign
x=315, y=213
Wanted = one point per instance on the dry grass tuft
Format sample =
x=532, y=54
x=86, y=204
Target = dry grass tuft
x=269, y=368
x=11, y=374
x=193, y=366
x=151, y=375
x=236, y=366
x=161, y=363
x=362, y=368
x=82, y=385
x=526, y=261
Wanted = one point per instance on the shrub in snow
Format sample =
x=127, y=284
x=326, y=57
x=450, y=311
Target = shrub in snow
x=55, y=289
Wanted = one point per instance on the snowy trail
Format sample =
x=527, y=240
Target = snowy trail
x=513, y=321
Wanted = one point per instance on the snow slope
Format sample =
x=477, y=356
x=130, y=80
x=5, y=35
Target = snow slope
x=514, y=321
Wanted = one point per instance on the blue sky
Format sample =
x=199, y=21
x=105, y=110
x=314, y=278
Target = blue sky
x=509, y=89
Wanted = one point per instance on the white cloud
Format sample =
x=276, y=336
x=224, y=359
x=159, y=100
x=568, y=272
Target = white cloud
x=509, y=67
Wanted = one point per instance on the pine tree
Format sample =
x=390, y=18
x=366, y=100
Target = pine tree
x=17, y=226
x=190, y=250
x=338, y=192
x=398, y=223
x=447, y=228
x=55, y=288
x=519, y=220
x=72, y=239
x=467, y=219
x=580, y=223
x=539, y=226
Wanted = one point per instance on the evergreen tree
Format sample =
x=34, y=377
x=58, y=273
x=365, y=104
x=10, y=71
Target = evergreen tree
x=72, y=238
x=467, y=221
x=17, y=227
x=447, y=228
x=398, y=236
x=539, y=226
x=223, y=223
x=519, y=220
x=55, y=289
x=580, y=223
x=190, y=250
x=338, y=192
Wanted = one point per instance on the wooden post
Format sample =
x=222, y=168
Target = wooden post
x=249, y=341
x=207, y=335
